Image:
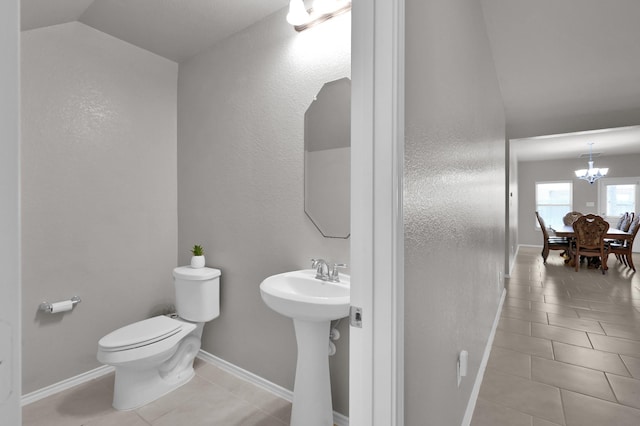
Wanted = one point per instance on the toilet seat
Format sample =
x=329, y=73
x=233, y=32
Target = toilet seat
x=141, y=333
x=153, y=337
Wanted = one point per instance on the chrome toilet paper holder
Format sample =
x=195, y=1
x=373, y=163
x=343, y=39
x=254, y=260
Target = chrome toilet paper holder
x=48, y=307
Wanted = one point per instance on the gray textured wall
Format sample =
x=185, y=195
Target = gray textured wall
x=454, y=204
x=99, y=202
x=10, y=346
x=530, y=172
x=241, y=112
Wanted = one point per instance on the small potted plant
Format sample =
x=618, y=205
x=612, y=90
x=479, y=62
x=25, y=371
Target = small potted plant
x=197, y=260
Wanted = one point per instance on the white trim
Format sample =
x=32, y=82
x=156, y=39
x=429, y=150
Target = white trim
x=376, y=367
x=361, y=249
x=65, y=384
x=277, y=390
x=247, y=376
x=471, y=405
x=513, y=262
x=388, y=225
x=340, y=420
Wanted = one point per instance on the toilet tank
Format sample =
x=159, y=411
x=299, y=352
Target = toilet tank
x=197, y=293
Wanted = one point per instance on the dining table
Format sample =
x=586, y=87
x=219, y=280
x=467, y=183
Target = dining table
x=612, y=234
x=568, y=232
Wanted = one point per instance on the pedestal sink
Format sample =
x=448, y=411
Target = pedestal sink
x=312, y=304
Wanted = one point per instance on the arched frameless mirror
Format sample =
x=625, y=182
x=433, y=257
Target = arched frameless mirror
x=327, y=157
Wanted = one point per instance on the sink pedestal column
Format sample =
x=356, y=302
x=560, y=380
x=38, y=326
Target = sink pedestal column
x=312, y=389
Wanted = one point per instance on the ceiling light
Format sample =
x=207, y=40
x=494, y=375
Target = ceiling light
x=322, y=10
x=298, y=14
x=591, y=174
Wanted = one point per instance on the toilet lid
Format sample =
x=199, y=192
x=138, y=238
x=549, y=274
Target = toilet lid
x=196, y=274
x=141, y=333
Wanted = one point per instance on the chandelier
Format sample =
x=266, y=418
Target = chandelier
x=591, y=174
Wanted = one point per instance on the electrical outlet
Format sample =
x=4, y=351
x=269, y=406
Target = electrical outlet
x=463, y=361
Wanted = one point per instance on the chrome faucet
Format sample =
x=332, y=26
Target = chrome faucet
x=322, y=269
x=335, y=276
x=324, y=273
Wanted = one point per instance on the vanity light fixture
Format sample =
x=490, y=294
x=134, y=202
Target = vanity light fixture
x=591, y=174
x=322, y=10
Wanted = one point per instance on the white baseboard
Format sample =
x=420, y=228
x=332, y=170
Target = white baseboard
x=513, y=262
x=277, y=390
x=471, y=405
x=245, y=375
x=65, y=384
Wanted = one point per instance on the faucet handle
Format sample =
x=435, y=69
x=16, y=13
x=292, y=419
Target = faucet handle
x=316, y=262
x=335, y=276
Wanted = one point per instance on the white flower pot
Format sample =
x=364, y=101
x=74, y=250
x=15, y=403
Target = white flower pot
x=197, y=261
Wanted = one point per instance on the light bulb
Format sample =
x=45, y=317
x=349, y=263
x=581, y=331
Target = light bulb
x=297, y=15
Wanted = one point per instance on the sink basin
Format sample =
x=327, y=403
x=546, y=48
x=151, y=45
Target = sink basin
x=299, y=295
x=312, y=304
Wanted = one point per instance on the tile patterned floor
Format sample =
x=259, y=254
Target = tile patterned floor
x=567, y=347
x=213, y=398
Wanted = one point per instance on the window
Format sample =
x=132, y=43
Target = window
x=553, y=201
x=617, y=196
x=620, y=199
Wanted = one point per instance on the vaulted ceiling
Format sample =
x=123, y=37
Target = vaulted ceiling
x=563, y=66
x=175, y=29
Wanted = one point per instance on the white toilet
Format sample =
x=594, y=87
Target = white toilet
x=155, y=356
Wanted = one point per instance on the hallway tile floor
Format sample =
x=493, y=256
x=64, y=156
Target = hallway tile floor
x=213, y=398
x=567, y=348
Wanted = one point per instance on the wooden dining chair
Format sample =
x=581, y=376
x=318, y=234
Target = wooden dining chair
x=624, y=249
x=550, y=243
x=626, y=222
x=589, y=239
x=621, y=220
x=571, y=217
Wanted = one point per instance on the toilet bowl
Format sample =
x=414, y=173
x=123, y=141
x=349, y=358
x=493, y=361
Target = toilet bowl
x=155, y=356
